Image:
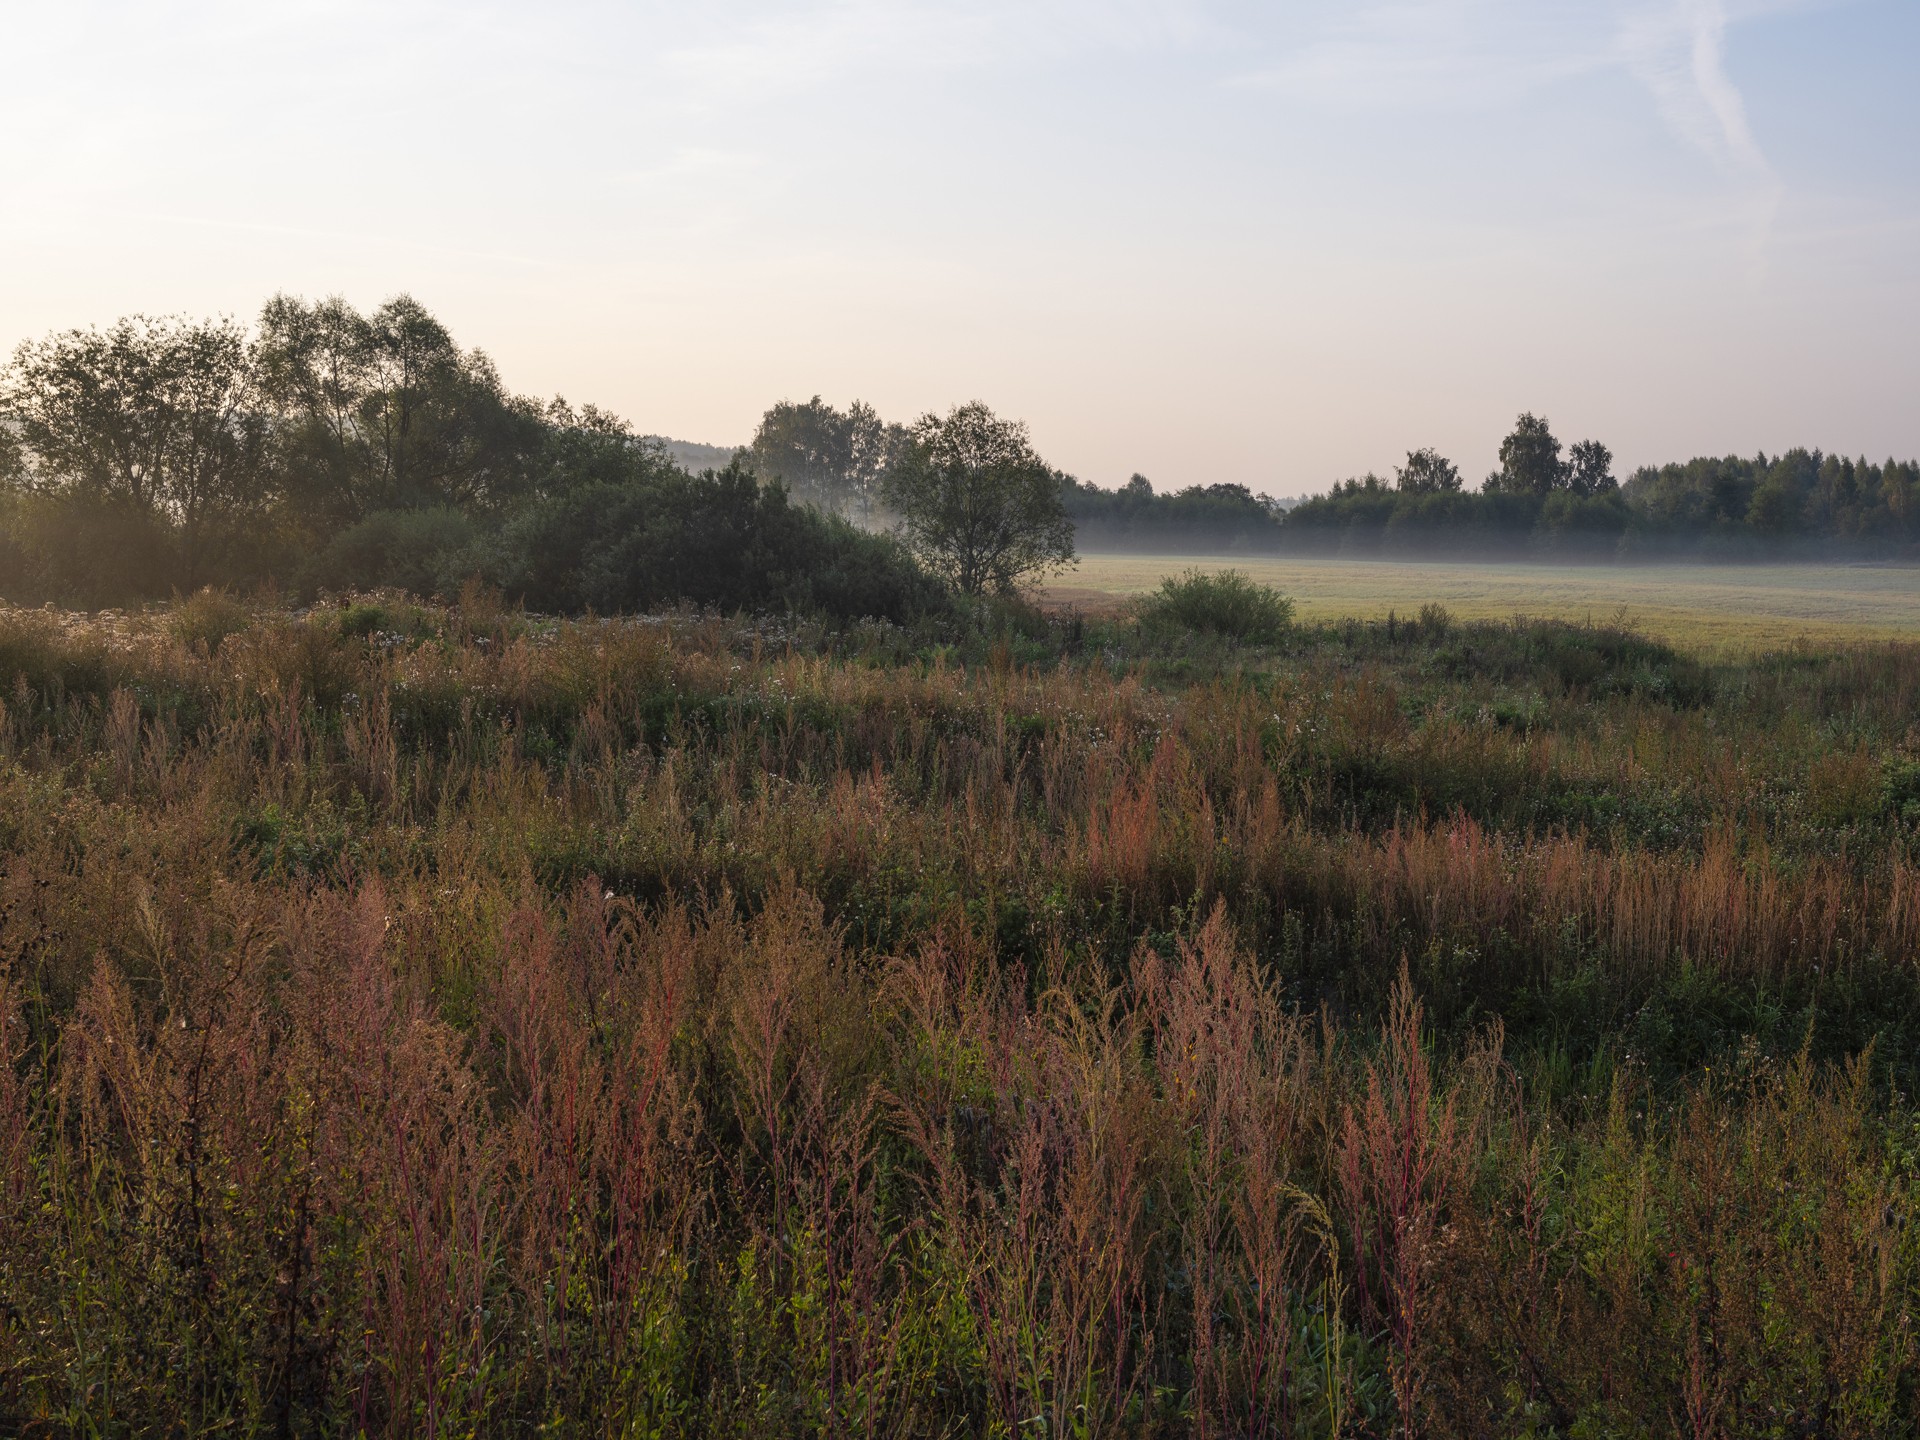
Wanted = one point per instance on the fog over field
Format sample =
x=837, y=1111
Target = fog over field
x=1706, y=607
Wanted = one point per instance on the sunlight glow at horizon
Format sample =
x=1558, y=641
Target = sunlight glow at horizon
x=1203, y=239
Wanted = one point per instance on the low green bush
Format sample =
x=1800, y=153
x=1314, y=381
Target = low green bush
x=207, y=617
x=1900, y=791
x=1228, y=603
x=79, y=549
x=426, y=552
x=721, y=540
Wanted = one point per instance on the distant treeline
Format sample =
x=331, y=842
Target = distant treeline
x=693, y=457
x=329, y=449
x=1802, y=504
x=1200, y=519
x=325, y=449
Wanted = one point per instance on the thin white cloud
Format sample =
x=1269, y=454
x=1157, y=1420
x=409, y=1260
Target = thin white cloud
x=1491, y=53
x=1497, y=54
x=1679, y=53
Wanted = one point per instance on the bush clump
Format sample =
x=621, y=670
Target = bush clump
x=79, y=549
x=1900, y=791
x=426, y=552
x=207, y=617
x=721, y=540
x=1227, y=603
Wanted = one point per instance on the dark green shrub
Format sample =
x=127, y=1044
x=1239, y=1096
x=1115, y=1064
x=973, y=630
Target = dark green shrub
x=425, y=552
x=1554, y=654
x=720, y=540
x=361, y=619
x=855, y=574
x=84, y=551
x=1434, y=621
x=1228, y=603
x=1900, y=791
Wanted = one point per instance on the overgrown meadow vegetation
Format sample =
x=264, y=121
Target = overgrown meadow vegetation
x=443, y=1020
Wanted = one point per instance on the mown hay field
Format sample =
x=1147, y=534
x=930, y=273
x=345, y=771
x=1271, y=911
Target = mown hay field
x=1731, y=609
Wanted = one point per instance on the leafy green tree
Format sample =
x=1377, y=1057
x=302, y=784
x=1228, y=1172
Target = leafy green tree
x=13, y=460
x=977, y=504
x=1427, y=472
x=1707, y=493
x=1529, y=461
x=589, y=446
x=156, y=417
x=1897, y=492
x=803, y=446
x=835, y=459
x=384, y=411
x=873, y=445
x=1589, y=469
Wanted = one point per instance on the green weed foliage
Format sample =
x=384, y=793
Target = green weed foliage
x=440, y=1020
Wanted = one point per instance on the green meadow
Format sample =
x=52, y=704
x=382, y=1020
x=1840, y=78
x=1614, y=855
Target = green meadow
x=1727, y=609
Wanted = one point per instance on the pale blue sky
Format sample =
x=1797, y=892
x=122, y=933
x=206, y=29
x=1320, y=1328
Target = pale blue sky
x=1271, y=243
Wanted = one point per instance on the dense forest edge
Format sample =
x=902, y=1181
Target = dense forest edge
x=323, y=449
x=1801, y=505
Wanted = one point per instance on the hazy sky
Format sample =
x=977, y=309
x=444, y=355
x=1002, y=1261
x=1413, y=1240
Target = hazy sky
x=1275, y=243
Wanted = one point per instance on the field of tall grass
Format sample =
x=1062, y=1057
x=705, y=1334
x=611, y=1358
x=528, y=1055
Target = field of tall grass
x=446, y=1021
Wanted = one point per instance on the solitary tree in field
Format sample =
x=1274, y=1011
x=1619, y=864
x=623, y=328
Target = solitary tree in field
x=1427, y=472
x=977, y=504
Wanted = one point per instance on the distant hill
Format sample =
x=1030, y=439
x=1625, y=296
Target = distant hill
x=693, y=457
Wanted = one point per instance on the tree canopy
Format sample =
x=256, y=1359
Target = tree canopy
x=836, y=459
x=327, y=448
x=977, y=504
x=1427, y=472
x=153, y=418
x=1590, y=469
x=1194, y=519
x=383, y=410
x=1529, y=460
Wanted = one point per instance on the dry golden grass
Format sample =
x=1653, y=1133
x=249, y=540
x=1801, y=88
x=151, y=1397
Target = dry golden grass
x=1732, y=609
